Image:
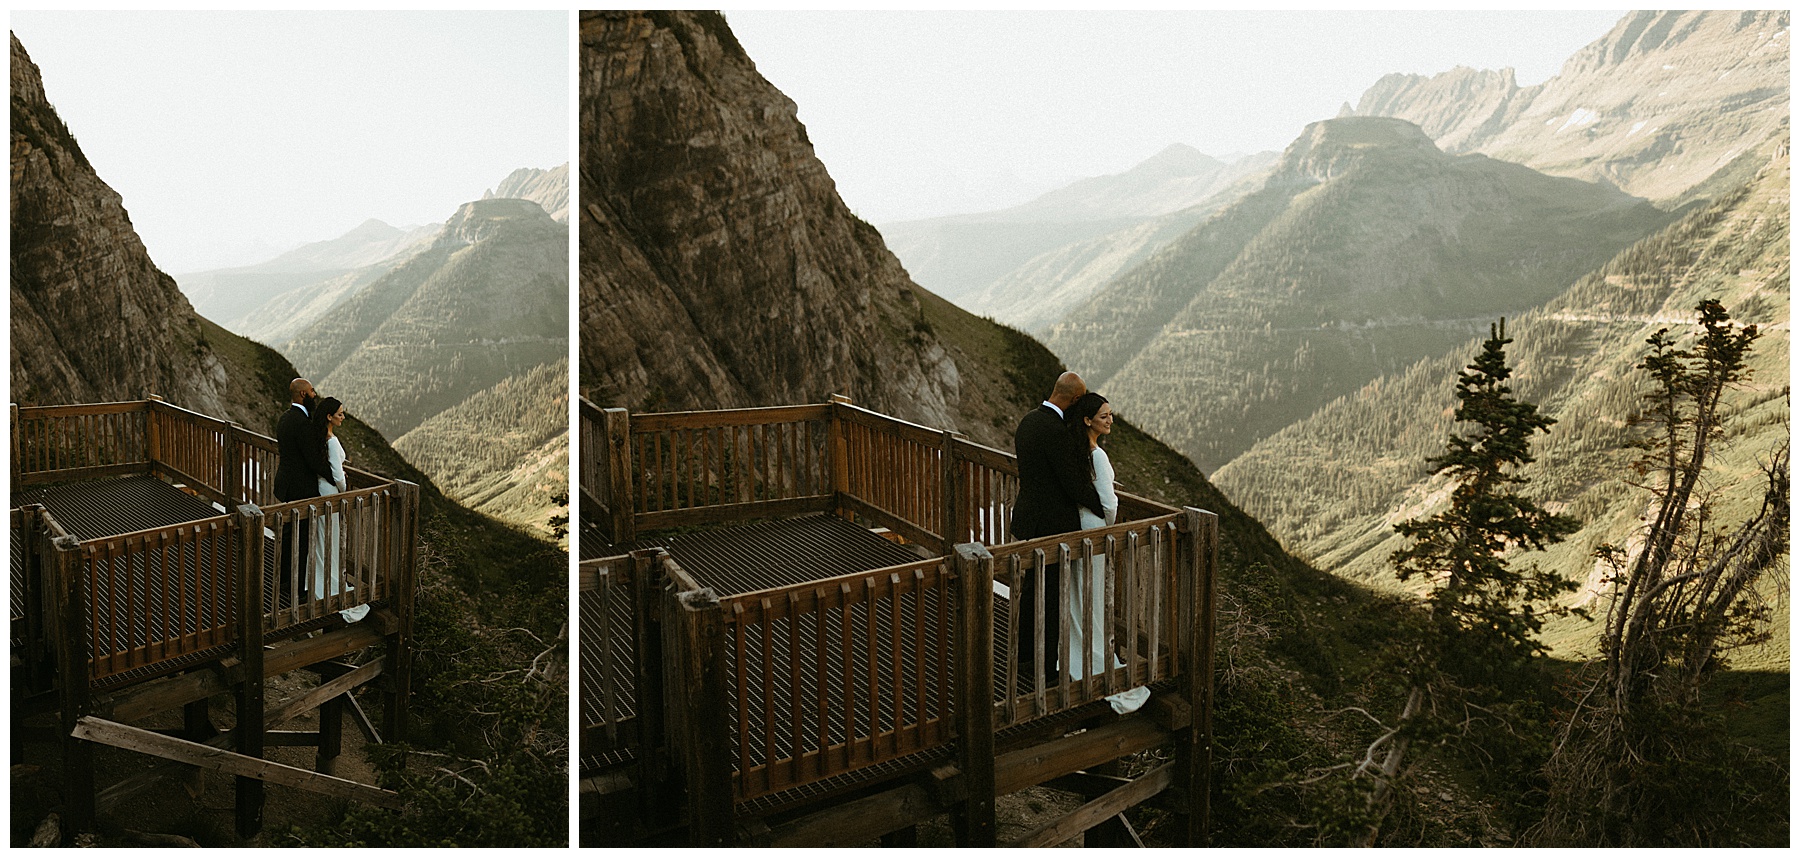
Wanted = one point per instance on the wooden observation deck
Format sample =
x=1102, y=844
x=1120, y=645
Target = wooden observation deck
x=797, y=629
x=146, y=554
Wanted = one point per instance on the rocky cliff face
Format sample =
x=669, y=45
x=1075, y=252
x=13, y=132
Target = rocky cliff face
x=93, y=319
x=547, y=188
x=1662, y=102
x=719, y=268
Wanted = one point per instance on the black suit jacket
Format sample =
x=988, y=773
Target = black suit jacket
x=1053, y=478
x=301, y=461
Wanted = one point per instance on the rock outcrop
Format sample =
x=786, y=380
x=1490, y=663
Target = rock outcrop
x=547, y=188
x=1658, y=105
x=718, y=267
x=93, y=318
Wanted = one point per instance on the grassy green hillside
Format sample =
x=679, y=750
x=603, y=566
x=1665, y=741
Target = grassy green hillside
x=1368, y=250
x=503, y=451
x=489, y=300
x=1332, y=486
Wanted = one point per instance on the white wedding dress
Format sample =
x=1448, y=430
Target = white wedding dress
x=327, y=571
x=1092, y=646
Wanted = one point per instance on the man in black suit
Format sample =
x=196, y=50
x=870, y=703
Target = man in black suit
x=300, y=464
x=1053, y=486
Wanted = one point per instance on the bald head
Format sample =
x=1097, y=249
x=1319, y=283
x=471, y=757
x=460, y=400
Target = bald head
x=299, y=390
x=1069, y=387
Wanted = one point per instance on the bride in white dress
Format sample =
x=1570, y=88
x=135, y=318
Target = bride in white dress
x=1091, y=418
x=327, y=530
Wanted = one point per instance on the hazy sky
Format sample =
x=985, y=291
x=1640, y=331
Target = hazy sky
x=233, y=136
x=918, y=114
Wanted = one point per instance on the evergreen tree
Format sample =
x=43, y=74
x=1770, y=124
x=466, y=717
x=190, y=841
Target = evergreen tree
x=1485, y=613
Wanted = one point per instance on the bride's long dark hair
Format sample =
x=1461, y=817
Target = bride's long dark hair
x=321, y=419
x=1085, y=407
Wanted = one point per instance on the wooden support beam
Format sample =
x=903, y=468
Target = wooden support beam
x=63, y=560
x=1100, y=809
x=249, y=729
x=659, y=796
x=401, y=597
x=974, y=817
x=295, y=654
x=1034, y=765
x=696, y=622
x=193, y=753
x=361, y=719
x=853, y=823
x=325, y=691
x=1196, y=564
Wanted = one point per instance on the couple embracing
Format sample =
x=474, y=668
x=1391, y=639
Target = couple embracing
x=1066, y=485
x=311, y=464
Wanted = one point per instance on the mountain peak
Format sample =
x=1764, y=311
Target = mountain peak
x=477, y=220
x=371, y=229
x=1179, y=159
x=1326, y=148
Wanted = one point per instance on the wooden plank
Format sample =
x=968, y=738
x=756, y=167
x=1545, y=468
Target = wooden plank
x=854, y=823
x=663, y=420
x=131, y=738
x=1099, y=810
x=1034, y=765
x=784, y=507
x=322, y=693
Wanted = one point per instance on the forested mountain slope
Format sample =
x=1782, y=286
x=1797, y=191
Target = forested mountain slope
x=1367, y=250
x=487, y=300
x=1333, y=485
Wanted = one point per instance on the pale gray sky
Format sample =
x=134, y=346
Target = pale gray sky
x=918, y=114
x=233, y=136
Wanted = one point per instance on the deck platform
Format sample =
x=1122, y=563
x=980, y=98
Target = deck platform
x=795, y=617
x=145, y=574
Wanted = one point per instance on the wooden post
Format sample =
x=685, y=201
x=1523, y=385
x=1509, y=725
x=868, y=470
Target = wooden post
x=973, y=818
x=64, y=555
x=1196, y=561
x=38, y=606
x=234, y=468
x=17, y=465
x=152, y=437
x=840, y=452
x=331, y=734
x=399, y=668
x=659, y=796
x=699, y=649
x=952, y=529
x=616, y=424
x=249, y=728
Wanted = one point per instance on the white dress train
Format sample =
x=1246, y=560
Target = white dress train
x=1092, y=646
x=328, y=572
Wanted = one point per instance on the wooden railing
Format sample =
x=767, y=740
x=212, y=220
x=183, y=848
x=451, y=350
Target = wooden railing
x=649, y=471
x=59, y=443
x=693, y=467
x=831, y=676
x=607, y=650
x=1132, y=603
